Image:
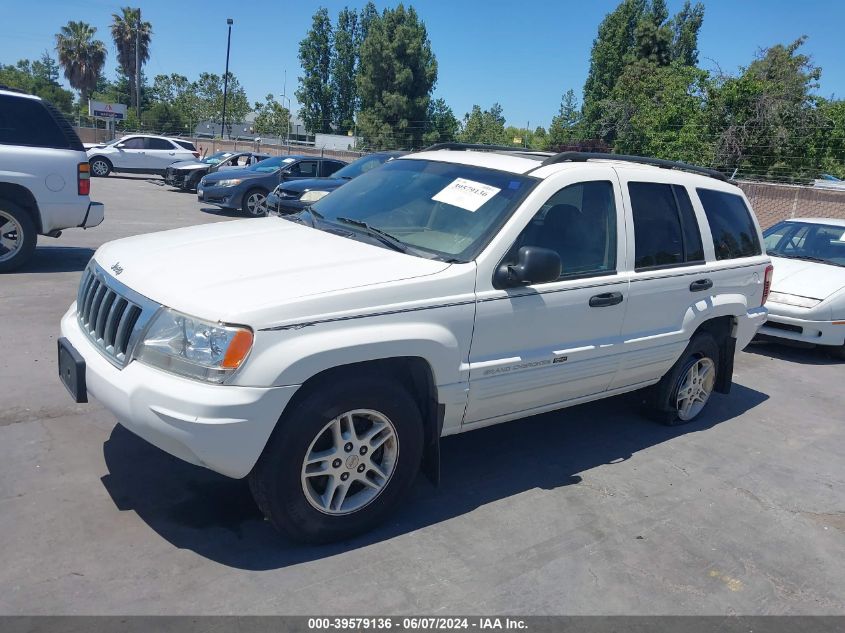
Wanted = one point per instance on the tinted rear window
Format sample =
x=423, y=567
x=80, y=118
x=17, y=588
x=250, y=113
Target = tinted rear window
x=734, y=233
x=27, y=122
x=187, y=145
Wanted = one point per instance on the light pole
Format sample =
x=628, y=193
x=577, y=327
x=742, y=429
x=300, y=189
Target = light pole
x=229, y=21
x=283, y=104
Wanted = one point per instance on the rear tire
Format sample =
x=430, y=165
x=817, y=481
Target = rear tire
x=100, y=167
x=18, y=236
x=682, y=394
x=309, y=481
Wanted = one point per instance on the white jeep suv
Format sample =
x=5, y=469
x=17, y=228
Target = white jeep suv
x=326, y=355
x=140, y=154
x=44, y=179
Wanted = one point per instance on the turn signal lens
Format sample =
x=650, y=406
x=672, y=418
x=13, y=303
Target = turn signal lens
x=767, y=283
x=238, y=349
x=83, y=179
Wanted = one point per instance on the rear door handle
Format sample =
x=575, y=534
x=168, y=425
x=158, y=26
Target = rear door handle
x=606, y=299
x=701, y=284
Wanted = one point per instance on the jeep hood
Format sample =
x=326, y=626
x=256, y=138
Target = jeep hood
x=241, y=270
x=189, y=164
x=806, y=279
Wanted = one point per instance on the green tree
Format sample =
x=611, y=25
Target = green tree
x=615, y=39
x=566, y=124
x=344, y=65
x=46, y=69
x=208, y=90
x=315, y=89
x=81, y=56
x=30, y=78
x=165, y=118
x=485, y=126
x=685, y=27
x=397, y=73
x=127, y=29
x=272, y=118
x=765, y=121
x=830, y=137
x=442, y=126
x=659, y=111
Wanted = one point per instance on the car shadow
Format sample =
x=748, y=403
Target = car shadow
x=57, y=259
x=793, y=352
x=226, y=213
x=214, y=516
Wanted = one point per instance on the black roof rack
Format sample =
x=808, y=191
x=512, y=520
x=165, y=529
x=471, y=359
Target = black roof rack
x=576, y=157
x=478, y=147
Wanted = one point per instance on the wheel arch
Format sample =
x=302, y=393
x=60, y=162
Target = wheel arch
x=415, y=374
x=23, y=197
x=723, y=330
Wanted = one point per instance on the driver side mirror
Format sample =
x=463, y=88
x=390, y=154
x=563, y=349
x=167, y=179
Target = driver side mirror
x=534, y=265
x=120, y=145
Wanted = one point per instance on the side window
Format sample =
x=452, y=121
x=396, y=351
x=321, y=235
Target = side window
x=304, y=168
x=27, y=122
x=579, y=223
x=734, y=234
x=330, y=167
x=665, y=228
x=159, y=143
x=134, y=143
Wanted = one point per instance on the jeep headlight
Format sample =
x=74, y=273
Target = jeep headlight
x=313, y=196
x=194, y=348
x=230, y=182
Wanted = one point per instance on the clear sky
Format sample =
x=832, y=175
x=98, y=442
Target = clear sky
x=522, y=54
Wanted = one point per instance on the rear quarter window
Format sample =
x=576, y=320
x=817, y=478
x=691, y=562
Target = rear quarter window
x=734, y=233
x=27, y=122
x=186, y=145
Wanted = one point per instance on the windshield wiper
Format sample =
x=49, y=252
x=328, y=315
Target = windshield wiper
x=382, y=236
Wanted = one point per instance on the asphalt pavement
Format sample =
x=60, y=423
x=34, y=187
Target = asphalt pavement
x=590, y=510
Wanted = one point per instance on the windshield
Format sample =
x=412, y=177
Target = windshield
x=823, y=243
x=446, y=209
x=271, y=164
x=360, y=166
x=216, y=157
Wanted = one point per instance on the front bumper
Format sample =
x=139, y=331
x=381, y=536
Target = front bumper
x=226, y=197
x=221, y=427
x=804, y=330
x=285, y=206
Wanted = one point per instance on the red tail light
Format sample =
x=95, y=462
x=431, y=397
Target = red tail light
x=83, y=179
x=767, y=283
x=196, y=154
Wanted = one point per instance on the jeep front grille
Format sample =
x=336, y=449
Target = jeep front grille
x=108, y=315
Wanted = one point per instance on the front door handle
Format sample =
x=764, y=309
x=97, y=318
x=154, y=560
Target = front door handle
x=606, y=299
x=701, y=284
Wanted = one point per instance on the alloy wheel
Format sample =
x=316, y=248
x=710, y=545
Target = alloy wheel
x=256, y=203
x=695, y=387
x=100, y=168
x=11, y=236
x=350, y=462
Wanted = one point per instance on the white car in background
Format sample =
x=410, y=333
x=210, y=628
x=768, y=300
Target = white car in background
x=139, y=153
x=807, y=299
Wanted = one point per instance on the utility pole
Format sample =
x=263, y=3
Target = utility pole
x=138, y=67
x=229, y=21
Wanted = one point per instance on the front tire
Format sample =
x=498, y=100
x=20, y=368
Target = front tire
x=340, y=460
x=255, y=202
x=18, y=236
x=685, y=390
x=100, y=167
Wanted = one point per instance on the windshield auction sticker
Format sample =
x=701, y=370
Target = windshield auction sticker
x=466, y=194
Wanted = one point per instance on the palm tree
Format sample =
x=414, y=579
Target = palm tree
x=81, y=56
x=124, y=28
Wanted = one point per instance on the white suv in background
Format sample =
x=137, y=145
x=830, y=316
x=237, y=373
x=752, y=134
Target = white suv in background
x=139, y=153
x=445, y=291
x=44, y=183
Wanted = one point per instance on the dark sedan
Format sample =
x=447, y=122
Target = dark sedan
x=247, y=189
x=186, y=174
x=291, y=197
